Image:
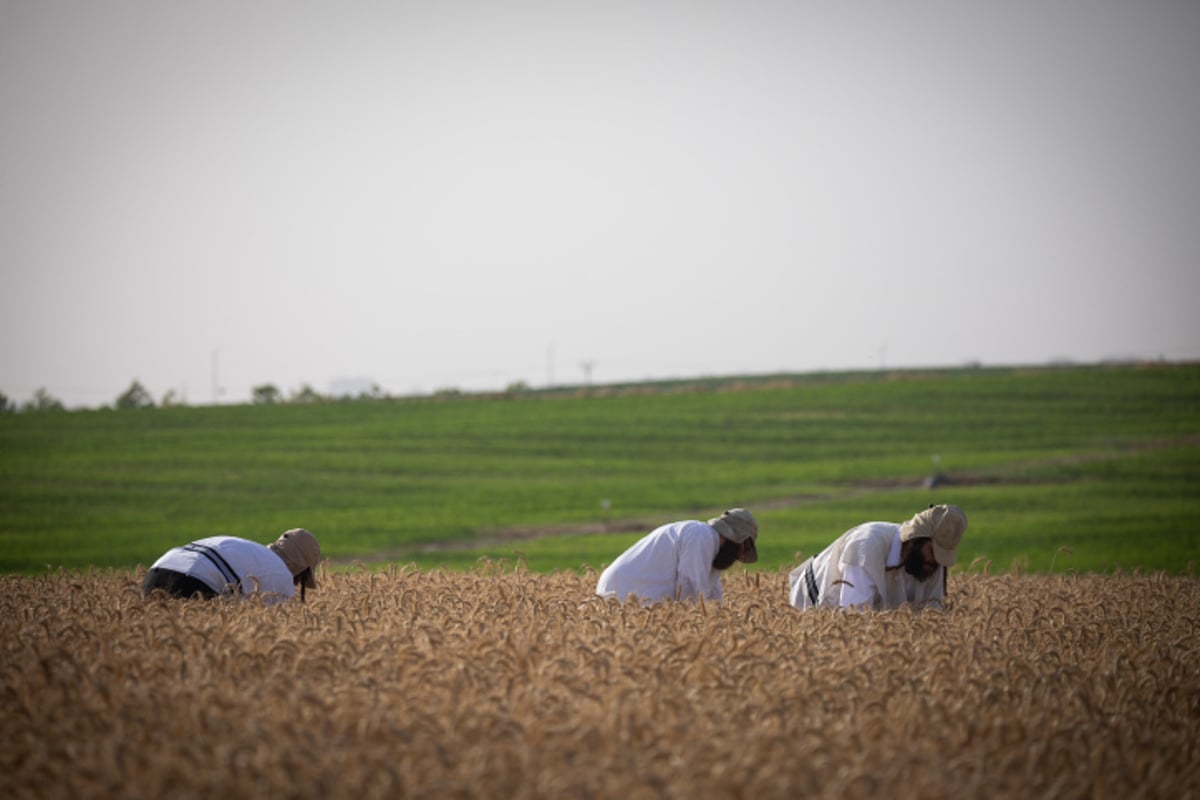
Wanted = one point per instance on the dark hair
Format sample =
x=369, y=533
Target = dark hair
x=914, y=564
x=298, y=580
x=915, y=561
x=727, y=554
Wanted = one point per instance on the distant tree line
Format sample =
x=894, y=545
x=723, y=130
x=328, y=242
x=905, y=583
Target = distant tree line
x=137, y=396
x=269, y=394
x=42, y=400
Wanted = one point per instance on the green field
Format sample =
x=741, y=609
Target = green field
x=1080, y=468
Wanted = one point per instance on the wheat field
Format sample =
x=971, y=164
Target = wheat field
x=500, y=682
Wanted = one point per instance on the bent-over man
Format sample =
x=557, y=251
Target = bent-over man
x=682, y=560
x=228, y=565
x=882, y=565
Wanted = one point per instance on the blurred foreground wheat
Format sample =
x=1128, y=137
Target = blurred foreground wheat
x=503, y=683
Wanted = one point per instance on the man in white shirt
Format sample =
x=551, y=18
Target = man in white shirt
x=228, y=565
x=682, y=560
x=882, y=565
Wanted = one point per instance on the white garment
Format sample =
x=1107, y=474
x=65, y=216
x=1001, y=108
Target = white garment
x=672, y=562
x=858, y=589
x=854, y=572
x=226, y=564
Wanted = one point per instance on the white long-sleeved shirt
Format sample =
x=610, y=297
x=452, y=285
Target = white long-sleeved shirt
x=858, y=589
x=672, y=562
x=227, y=564
x=861, y=569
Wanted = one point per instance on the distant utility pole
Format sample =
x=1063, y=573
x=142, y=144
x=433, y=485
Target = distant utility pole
x=216, y=384
x=550, y=365
x=587, y=371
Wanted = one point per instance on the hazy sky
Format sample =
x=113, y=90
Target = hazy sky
x=469, y=194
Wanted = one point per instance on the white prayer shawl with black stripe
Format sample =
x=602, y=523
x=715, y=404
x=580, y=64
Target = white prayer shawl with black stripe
x=817, y=582
x=232, y=565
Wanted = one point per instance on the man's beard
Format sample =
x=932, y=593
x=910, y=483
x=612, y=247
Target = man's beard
x=727, y=556
x=915, y=564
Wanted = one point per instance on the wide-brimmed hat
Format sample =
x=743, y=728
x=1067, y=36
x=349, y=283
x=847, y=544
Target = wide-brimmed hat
x=300, y=552
x=943, y=525
x=738, y=525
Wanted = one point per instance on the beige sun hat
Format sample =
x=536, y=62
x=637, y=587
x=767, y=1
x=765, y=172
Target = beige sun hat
x=738, y=525
x=300, y=551
x=944, y=525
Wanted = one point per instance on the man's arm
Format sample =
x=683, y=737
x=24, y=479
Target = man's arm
x=857, y=589
x=693, y=578
x=936, y=592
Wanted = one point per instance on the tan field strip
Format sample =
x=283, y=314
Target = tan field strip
x=501, y=683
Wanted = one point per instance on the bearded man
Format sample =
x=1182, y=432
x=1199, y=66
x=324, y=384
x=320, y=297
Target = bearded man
x=682, y=560
x=232, y=566
x=882, y=565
